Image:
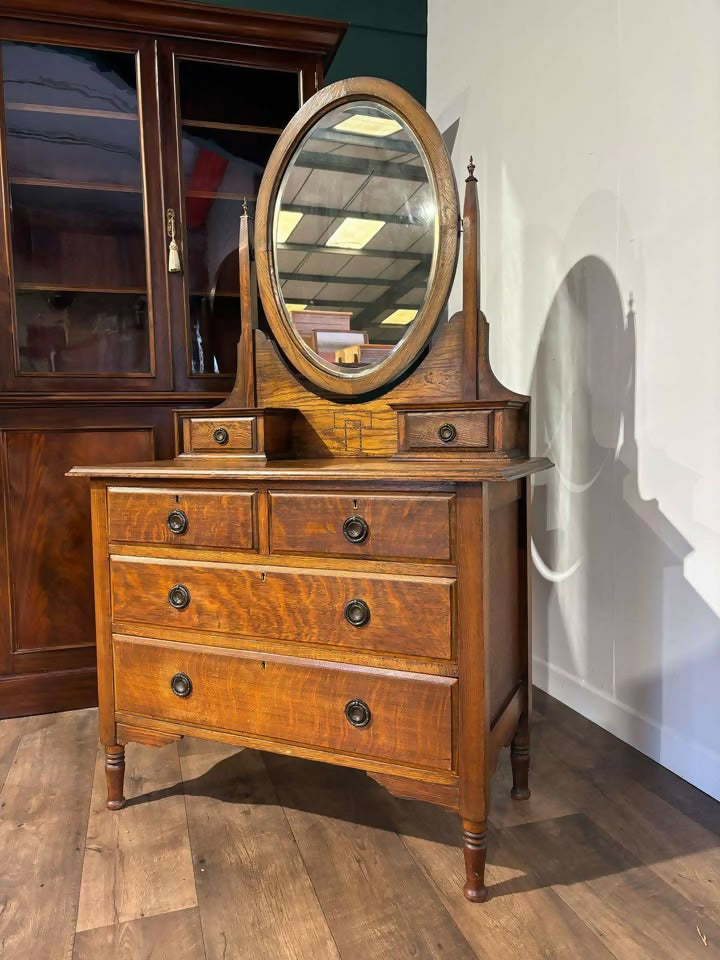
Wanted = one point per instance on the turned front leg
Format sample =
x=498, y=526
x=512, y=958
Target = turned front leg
x=115, y=776
x=475, y=852
x=520, y=761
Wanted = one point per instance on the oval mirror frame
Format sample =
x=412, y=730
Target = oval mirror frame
x=305, y=361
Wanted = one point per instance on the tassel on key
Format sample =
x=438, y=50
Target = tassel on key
x=174, y=265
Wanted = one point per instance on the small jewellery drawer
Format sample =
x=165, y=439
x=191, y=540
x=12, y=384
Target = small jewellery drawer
x=402, y=615
x=383, y=714
x=447, y=429
x=183, y=517
x=379, y=526
x=221, y=435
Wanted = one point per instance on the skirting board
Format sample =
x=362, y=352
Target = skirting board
x=687, y=759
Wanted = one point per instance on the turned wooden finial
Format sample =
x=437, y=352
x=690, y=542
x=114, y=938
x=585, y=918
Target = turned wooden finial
x=471, y=287
x=245, y=206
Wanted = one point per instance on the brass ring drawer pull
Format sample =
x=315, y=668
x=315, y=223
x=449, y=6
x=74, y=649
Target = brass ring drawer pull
x=357, y=713
x=221, y=436
x=177, y=522
x=447, y=432
x=179, y=596
x=356, y=529
x=357, y=613
x=181, y=685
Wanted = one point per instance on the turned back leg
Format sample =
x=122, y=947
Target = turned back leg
x=520, y=760
x=115, y=776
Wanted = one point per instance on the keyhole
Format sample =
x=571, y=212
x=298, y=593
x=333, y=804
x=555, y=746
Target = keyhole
x=262, y=664
x=354, y=504
x=262, y=577
x=177, y=499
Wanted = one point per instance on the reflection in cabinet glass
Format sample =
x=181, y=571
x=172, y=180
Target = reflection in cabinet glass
x=74, y=166
x=226, y=143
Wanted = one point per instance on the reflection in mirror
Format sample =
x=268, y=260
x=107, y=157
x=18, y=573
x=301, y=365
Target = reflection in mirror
x=354, y=231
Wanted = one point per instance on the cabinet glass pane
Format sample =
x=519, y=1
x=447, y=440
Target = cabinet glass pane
x=74, y=167
x=231, y=117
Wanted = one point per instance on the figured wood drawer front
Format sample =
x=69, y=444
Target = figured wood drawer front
x=182, y=517
x=403, y=615
x=223, y=435
x=280, y=698
x=448, y=429
x=380, y=526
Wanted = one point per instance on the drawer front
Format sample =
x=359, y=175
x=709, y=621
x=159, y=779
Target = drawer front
x=447, y=429
x=297, y=701
x=403, y=615
x=183, y=517
x=222, y=435
x=378, y=526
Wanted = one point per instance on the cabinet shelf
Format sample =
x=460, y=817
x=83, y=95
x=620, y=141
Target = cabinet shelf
x=69, y=185
x=236, y=127
x=74, y=288
x=70, y=111
x=221, y=195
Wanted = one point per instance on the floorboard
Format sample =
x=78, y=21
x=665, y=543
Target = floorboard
x=255, y=896
x=229, y=854
x=43, y=824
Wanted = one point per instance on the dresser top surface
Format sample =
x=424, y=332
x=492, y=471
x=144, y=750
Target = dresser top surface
x=369, y=468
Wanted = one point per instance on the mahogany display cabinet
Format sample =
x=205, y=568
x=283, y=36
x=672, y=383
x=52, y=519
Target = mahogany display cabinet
x=130, y=135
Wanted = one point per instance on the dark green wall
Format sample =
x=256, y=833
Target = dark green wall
x=386, y=38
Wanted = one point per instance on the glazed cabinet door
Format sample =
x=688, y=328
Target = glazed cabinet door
x=224, y=111
x=82, y=291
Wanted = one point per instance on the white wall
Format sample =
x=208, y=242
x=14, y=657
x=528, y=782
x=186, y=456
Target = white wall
x=595, y=126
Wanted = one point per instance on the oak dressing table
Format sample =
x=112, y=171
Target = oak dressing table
x=335, y=565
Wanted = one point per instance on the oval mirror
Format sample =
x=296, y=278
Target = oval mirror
x=356, y=235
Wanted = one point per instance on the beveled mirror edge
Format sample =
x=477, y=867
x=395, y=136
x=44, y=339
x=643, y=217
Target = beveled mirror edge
x=305, y=362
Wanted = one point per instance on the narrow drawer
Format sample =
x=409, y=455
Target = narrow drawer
x=183, y=517
x=447, y=429
x=221, y=435
x=405, y=718
x=378, y=526
x=403, y=615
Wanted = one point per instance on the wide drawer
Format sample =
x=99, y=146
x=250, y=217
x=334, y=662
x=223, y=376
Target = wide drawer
x=183, y=517
x=402, y=615
x=380, y=526
x=409, y=716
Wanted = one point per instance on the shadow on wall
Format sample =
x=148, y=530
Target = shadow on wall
x=615, y=619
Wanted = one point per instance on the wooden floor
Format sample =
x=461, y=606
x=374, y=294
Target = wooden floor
x=227, y=854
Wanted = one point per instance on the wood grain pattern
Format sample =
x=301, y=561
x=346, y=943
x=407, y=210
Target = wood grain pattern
x=168, y=936
x=217, y=519
x=357, y=429
x=290, y=700
x=241, y=431
x=377, y=903
x=610, y=847
x=406, y=615
x=42, y=840
x=47, y=566
x=253, y=889
x=137, y=860
x=400, y=526
x=472, y=429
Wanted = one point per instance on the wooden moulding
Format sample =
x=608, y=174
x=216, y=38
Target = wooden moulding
x=253, y=433
x=464, y=430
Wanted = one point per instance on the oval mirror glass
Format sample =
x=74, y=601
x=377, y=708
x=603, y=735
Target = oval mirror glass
x=355, y=233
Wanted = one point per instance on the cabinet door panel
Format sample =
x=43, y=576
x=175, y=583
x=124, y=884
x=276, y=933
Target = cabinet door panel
x=224, y=137
x=81, y=157
x=48, y=545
